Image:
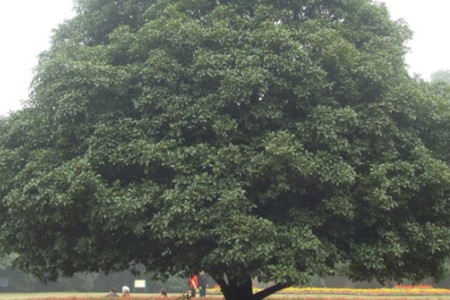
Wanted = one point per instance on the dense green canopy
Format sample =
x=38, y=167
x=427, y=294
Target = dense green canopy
x=251, y=139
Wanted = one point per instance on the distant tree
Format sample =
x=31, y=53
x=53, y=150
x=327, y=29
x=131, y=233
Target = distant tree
x=441, y=75
x=6, y=262
x=22, y=282
x=250, y=139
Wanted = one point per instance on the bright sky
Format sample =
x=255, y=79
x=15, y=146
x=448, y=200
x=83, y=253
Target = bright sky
x=26, y=27
x=430, y=46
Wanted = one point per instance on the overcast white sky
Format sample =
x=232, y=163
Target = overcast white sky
x=25, y=30
x=26, y=27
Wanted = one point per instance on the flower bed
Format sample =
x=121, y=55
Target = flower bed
x=401, y=290
x=396, y=290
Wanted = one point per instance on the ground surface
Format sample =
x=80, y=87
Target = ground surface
x=75, y=296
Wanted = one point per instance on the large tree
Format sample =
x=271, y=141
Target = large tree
x=247, y=138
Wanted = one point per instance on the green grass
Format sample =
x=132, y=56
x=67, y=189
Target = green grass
x=11, y=296
x=70, y=296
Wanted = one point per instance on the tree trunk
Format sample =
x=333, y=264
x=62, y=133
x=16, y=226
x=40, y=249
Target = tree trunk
x=241, y=289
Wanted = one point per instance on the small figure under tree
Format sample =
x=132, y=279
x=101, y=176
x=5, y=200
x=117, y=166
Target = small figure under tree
x=252, y=139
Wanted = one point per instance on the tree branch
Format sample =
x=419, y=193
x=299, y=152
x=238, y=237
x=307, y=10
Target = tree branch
x=223, y=286
x=270, y=290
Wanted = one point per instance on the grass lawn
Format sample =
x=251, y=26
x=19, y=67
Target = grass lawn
x=66, y=295
x=75, y=296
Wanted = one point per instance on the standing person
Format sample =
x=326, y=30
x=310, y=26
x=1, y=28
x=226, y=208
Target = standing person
x=193, y=284
x=202, y=283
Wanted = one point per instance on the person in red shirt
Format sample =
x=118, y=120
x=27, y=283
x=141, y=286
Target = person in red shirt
x=193, y=284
